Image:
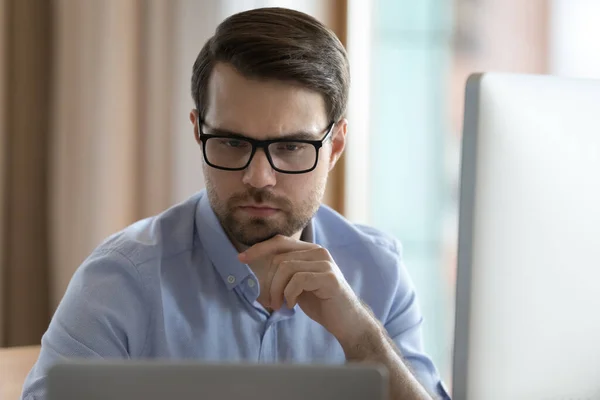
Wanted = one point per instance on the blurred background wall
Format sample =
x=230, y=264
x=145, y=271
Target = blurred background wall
x=94, y=131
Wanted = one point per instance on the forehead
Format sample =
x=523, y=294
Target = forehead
x=262, y=108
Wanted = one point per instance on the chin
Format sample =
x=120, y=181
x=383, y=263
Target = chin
x=249, y=242
x=254, y=233
x=249, y=231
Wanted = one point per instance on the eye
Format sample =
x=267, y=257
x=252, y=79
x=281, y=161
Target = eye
x=234, y=143
x=290, y=147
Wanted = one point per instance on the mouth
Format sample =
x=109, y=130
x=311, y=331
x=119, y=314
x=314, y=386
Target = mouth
x=259, y=210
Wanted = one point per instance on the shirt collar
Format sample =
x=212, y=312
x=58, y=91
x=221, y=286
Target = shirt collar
x=217, y=245
x=219, y=248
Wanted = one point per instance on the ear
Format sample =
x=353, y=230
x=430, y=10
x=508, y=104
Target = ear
x=338, y=141
x=195, y=120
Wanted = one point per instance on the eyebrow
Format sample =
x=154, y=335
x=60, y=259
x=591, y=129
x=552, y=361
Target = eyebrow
x=290, y=136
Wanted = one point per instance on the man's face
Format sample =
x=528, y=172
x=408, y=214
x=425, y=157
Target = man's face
x=258, y=202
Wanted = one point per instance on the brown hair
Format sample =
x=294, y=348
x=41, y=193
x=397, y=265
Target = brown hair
x=281, y=44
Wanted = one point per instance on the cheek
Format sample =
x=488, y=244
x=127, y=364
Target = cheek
x=223, y=183
x=321, y=172
x=303, y=186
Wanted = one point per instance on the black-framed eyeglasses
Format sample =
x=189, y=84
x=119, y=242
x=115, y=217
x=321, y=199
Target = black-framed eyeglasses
x=233, y=152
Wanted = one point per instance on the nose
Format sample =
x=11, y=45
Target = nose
x=259, y=173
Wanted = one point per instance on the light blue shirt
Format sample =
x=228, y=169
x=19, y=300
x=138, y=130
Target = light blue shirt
x=171, y=286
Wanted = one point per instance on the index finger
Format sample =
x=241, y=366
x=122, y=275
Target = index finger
x=276, y=245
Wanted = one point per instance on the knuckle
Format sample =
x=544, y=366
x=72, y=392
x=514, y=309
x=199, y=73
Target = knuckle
x=323, y=252
x=331, y=267
x=331, y=275
x=298, y=279
x=309, y=276
x=333, y=278
x=288, y=291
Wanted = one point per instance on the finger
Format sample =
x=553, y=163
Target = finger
x=317, y=253
x=276, y=245
x=322, y=284
x=284, y=273
x=299, y=283
x=314, y=254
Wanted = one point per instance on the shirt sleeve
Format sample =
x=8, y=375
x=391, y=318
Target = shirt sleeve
x=404, y=328
x=103, y=314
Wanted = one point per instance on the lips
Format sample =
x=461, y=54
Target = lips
x=259, y=210
x=266, y=206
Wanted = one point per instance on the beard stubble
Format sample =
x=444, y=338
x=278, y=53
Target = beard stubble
x=249, y=231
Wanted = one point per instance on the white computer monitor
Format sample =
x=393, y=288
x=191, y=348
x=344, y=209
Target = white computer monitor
x=528, y=284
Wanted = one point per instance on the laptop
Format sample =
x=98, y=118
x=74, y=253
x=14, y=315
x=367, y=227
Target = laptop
x=160, y=380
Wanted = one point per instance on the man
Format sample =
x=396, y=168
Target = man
x=254, y=268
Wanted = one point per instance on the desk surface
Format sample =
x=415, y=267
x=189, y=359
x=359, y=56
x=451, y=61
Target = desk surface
x=15, y=364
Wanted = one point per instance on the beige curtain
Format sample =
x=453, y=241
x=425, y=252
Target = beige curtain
x=3, y=92
x=94, y=98
x=111, y=108
x=85, y=146
x=24, y=113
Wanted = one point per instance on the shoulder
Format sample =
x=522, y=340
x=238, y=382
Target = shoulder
x=361, y=249
x=335, y=232
x=370, y=259
x=117, y=281
x=161, y=236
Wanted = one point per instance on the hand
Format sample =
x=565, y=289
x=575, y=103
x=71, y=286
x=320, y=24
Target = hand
x=306, y=274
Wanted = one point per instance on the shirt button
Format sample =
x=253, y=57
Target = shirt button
x=251, y=283
x=231, y=279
